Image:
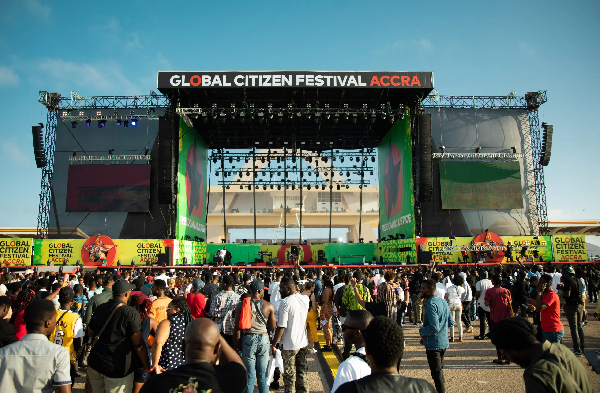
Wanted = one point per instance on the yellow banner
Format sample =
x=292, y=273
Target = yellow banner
x=570, y=248
x=15, y=252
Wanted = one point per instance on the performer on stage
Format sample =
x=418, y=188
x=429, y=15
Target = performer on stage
x=222, y=253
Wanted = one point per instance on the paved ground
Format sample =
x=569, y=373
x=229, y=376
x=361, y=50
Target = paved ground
x=468, y=366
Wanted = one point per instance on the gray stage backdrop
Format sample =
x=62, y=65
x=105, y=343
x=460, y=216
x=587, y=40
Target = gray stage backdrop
x=98, y=141
x=495, y=131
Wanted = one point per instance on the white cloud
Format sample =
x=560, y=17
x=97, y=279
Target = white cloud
x=8, y=78
x=134, y=42
x=422, y=45
x=12, y=150
x=39, y=8
x=101, y=77
x=163, y=62
x=527, y=49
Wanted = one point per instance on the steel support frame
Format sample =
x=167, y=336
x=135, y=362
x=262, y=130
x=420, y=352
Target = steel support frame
x=47, y=174
x=538, y=169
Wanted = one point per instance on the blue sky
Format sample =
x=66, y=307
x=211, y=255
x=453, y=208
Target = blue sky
x=473, y=48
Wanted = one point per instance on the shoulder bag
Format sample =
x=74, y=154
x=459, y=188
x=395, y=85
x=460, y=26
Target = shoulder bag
x=87, y=347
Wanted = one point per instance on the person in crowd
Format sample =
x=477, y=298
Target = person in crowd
x=434, y=331
x=499, y=301
x=386, y=293
x=571, y=290
x=99, y=299
x=549, y=367
x=415, y=299
x=548, y=305
x=7, y=330
x=211, y=288
x=34, y=364
x=149, y=326
x=349, y=299
x=170, y=290
x=440, y=287
x=520, y=294
x=319, y=284
x=200, y=373
x=384, y=348
x=466, y=300
x=244, y=287
x=274, y=287
x=43, y=284
x=483, y=311
x=291, y=330
x=195, y=299
x=158, y=311
x=222, y=307
x=454, y=298
x=326, y=309
x=311, y=316
x=120, y=349
x=255, y=340
x=24, y=298
x=80, y=300
x=167, y=350
x=356, y=366
x=69, y=328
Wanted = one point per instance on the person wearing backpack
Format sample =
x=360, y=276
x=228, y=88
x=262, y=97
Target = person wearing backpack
x=254, y=318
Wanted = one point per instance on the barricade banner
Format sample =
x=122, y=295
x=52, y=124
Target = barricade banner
x=569, y=248
x=15, y=252
x=99, y=250
x=193, y=252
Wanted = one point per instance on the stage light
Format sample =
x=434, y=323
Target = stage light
x=293, y=186
x=347, y=186
x=336, y=117
x=242, y=117
x=443, y=149
x=347, y=174
x=279, y=187
x=118, y=122
x=73, y=124
x=373, y=117
x=111, y=151
x=338, y=187
x=74, y=153
x=371, y=173
x=271, y=187
x=323, y=187
x=283, y=242
x=227, y=187
x=325, y=160
x=317, y=118
x=341, y=159
x=133, y=122
x=372, y=158
x=126, y=123
x=241, y=187
x=216, y=173
x=325, y=173
x=249, y=188
x=264, y=188
x=146, y=152
x=261, y=117
x=478, y=149
x=354, y=118
x=308, y=187
x=231, y=160
x=101, y=123
x=514, y=150
x=87, y=122
x=351, y=158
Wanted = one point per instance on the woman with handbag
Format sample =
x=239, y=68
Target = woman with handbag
x=454, y=297
x=167, y=350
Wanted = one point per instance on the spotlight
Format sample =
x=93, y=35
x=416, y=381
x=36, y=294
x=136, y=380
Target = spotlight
x=317, y=118
x=478, y=149
x=372, y=158
x=271, y=187
x=261, y=117
x=347, y=186
x=373, y=117
x=443, y=149
x=351, y=158
x=279, y=187
x=514, y=150
x=134, y=122
x=336, y=117
x=87, y=122
x=354, y=118
x=242, y=117
x=126, y=123
x=338, y=187
x=74, y=153
x=323, y=187
x=264, y=188
x=283, y=242
x=342, y=159
x=347, y=174
x=101, y=123
x=308, y=187
x=111, y=151
x=293, y=186
x=216, y=173
x=280, y=117
x=118, y=122
x=73, y=124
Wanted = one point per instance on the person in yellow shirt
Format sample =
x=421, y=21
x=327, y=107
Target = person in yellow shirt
x=158, y=310
x=69, y=328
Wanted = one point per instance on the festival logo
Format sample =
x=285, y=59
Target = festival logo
x=492, y=246
x=392, y=181
x=98, y=250
x=194, y=182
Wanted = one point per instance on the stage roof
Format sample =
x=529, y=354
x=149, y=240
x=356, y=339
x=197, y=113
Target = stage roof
x=315, y=110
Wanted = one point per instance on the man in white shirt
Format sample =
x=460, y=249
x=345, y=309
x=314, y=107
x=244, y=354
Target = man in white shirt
x=483, y=311
x=440, y=288
x=274, y=288
x=222, y=255
x=291, y=330
x=356, y=366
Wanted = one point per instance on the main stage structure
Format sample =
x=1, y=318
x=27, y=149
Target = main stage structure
x=285, y=136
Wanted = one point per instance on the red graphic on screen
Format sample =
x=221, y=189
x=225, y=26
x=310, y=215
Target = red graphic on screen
x=490, y=239
x=392, y=181
x=194, y=183
x=98, y=250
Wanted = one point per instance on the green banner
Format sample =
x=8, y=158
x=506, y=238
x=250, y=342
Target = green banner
x=481, y=185
x=193, y=252
x=396, y=211
x=192, y=181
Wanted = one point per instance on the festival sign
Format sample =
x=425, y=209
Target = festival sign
x=99, y=250
x=192, y=180
x=15, y=252
x=270, y=79
x=397, y=251
x=193, y=252
x=569, y=248
x=396, y=213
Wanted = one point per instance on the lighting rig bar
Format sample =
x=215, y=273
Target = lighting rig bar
x=530, y=101
x=292, y=154
x=57, y=102
x=290, y=184
x=279, y=171
x=470, y=156
x=250, y=113
x=110, y=158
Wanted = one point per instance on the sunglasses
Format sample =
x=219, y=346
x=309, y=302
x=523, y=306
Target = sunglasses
x=346, y=327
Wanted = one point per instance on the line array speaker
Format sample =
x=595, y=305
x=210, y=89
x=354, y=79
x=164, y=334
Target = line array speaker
x=425, y=177
x=38, y=146
x=546, y=144
x=165, y=159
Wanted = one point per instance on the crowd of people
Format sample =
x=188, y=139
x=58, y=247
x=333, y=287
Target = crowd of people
x=147, y=330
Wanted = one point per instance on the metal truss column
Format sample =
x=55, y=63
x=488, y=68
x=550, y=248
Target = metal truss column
x=529, y=170
x=538, y=170
x=47, y=175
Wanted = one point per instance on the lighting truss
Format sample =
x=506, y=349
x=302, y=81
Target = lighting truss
x=476, y=156
x=110, y=158
x=296, y=182
x=108, y=118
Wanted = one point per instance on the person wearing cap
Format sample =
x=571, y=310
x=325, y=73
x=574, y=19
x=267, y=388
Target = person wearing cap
x=255, y=341
x=69, y=328
x=112, y=361
x=195, y=299
x=100, y=298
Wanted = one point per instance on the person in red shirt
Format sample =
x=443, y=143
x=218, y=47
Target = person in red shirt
x=548, y=304
x=499, y=300
x=196, y=300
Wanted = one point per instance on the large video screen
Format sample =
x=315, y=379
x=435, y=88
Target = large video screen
x=108, y=188
x=481, y=185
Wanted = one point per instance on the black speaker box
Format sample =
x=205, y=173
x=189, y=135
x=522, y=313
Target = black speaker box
x=425, y=144
x=165, y=159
